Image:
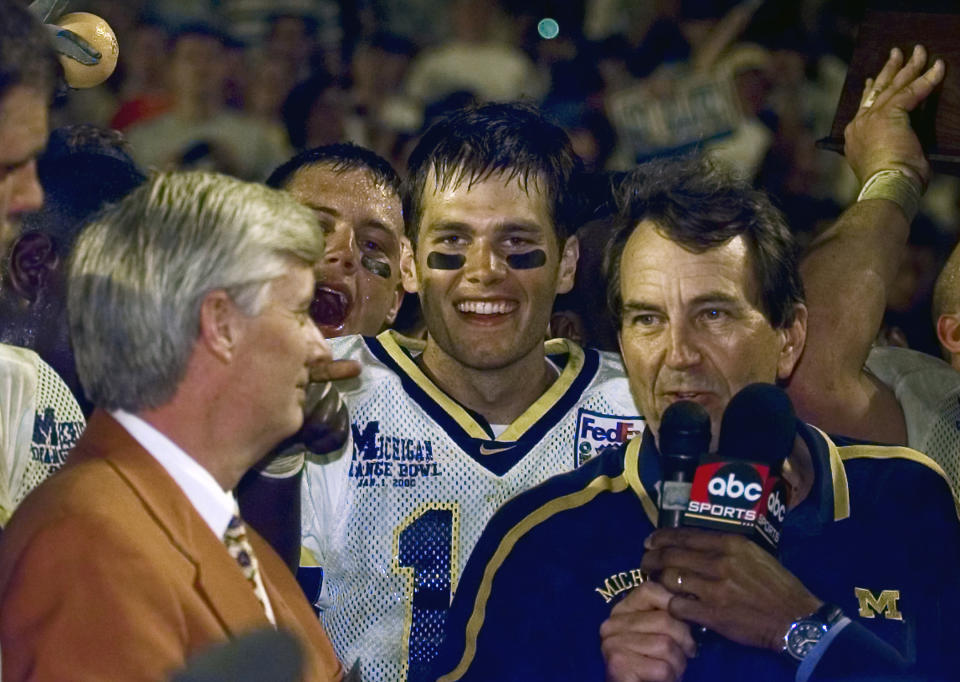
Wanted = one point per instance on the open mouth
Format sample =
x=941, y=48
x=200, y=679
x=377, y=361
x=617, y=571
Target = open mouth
x=329, y=307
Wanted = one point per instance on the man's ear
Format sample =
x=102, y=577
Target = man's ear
x=408, y=267
x=33, y=259
x=793, y=338
x=395, y=308
x=567, y=324
x=948, y=331
x=566, y=274
x=220, y=325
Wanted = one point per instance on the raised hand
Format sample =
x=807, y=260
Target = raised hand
x=880, y=137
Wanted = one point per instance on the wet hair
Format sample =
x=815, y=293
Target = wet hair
x=699, y=206
x=510, y=140
x=340, y=158
x=26, y=53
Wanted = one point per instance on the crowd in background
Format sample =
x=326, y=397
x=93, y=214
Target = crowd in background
x=239, y=85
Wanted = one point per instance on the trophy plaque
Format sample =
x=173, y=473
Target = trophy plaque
x=936, y=120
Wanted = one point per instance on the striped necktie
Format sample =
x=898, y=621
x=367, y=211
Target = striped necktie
x=235, y=538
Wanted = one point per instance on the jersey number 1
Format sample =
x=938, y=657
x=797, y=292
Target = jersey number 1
x=426, y=553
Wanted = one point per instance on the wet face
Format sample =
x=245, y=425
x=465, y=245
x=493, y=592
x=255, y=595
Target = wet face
x=23, y=135
x=358, y=281
x=276, y=350
x=692, y=328
x=488, y=267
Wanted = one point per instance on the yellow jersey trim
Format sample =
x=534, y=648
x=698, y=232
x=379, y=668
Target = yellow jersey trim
x=631, y=469
x=898, y=452
x=395, y=344
x=556, y=391
x=841, y=488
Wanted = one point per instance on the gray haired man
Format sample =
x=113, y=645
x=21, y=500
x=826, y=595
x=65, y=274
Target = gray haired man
x=188, y=306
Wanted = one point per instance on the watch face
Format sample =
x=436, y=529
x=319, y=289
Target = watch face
x=803, y=636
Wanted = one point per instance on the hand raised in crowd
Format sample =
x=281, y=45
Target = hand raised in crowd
x=642, y=642
x=880, y=137
x=728, y=584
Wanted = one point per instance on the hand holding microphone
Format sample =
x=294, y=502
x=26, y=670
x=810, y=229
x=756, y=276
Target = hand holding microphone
x=731, y=581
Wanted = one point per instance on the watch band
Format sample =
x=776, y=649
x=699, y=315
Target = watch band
x=804, y=633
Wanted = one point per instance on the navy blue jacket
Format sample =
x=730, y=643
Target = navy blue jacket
x=878, y=535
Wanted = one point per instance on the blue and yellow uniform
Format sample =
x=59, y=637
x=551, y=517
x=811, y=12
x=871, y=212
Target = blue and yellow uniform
x=878, y=535
x=392, y=519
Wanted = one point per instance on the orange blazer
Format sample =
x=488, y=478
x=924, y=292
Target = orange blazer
x=108, y=573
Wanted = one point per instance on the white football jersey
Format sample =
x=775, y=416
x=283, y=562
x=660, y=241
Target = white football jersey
x=928, y=390
x=40, y=421
x=393, y=517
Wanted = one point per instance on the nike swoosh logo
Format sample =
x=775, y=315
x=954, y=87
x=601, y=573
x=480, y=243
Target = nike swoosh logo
x=484, y=450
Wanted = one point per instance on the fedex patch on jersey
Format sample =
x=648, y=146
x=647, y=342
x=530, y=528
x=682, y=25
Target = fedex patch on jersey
x=597, y=431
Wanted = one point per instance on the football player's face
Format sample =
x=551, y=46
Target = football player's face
x=358, y=280
x=23, y=134
x=691, y=326
x=487, y=267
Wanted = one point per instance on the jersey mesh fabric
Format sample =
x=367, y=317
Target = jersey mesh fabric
x=928, y=391
x=944, y=438
x=393, y=521
x=39, y=423
x=57, y=424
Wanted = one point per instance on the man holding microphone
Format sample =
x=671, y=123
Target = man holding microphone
x=703, y=276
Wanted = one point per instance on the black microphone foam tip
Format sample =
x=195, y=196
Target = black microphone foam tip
x=759, y=425
x=684, y=429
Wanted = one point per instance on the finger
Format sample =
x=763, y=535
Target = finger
x=686, y=561
x=903, y=77
x=890, y=68
x=335, y=370
x=693, y=610
x=650, y=657
x=691, y=538
x=865, y=98
x=649, y=595
x=908, y=97
x=685, y=583
x=658, y=622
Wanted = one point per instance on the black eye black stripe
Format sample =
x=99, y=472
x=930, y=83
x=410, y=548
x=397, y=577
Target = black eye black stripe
x=377, y=267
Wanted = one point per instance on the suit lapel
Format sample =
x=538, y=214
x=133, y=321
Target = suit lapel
x=218, y=579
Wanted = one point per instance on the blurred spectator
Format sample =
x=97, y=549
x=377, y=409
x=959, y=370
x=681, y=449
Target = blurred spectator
x=378, y=69
x=82, y=169
x=506, y=73
x=315, y=114
x=143, y=63
x=425, y=22
x=907, y=320
x=199, y=131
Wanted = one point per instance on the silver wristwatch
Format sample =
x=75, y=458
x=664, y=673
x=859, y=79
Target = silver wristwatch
x=805, y=633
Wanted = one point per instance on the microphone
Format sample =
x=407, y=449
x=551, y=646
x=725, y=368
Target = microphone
x=262, y=654
x=684, y=439
x=739, y=490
